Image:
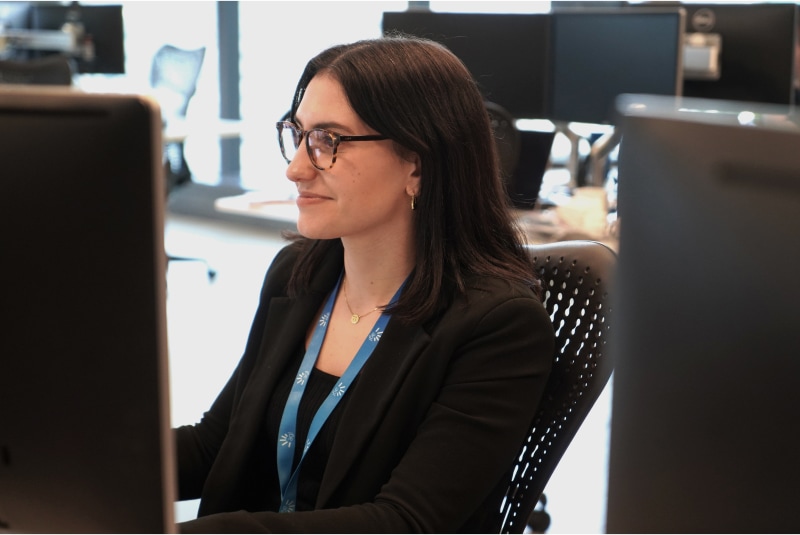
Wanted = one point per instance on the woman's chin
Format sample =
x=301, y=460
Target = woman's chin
x=314, y=230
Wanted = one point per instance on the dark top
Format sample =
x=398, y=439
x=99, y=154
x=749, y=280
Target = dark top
x=428, y=435
x=318, y=388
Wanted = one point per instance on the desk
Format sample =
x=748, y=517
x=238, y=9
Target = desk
x=178, y=129
x=540, y=226
x=260, y=206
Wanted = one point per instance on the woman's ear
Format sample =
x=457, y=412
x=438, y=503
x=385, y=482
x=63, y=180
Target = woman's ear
x=417, y=165
x=415, y=175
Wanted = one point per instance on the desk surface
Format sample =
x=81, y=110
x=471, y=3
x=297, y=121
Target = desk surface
x=540, y=226
x=178, y=129
x=260, y=206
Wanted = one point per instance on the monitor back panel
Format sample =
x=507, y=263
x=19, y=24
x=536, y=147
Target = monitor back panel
x=705, y=426
x=84, y=417
x=103, y=22
x=756, y=59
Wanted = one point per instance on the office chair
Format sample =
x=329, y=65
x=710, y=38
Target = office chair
x=577, y=277
x=506, y=137
x=173, y=78
x=49, y=70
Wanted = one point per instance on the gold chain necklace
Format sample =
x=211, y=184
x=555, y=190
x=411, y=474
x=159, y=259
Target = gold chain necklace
x=354, y=318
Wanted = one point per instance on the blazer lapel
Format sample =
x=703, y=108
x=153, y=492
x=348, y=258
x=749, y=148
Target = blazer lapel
x=285, y=327
x=290, y=318
x=381, y=377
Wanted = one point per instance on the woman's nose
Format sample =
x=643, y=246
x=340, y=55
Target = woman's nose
x=300, y=168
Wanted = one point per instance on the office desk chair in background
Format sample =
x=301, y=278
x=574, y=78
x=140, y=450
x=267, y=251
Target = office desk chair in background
x=577, y=277
x=48, y=70
x=173, y=78
x=524, y=156
x=506, y=137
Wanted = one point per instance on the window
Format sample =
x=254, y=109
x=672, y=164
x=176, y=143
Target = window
x=276, y=40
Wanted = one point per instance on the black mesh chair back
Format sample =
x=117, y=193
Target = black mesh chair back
x=577, y=277
x=48, y=70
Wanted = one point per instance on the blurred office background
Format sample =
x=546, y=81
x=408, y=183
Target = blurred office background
x=254, y=52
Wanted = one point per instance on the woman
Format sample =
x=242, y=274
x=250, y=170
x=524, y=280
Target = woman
x=399, y=349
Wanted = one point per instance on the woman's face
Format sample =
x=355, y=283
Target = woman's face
x=367, y=193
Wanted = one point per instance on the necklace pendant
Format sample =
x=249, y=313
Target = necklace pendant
x=354, y=318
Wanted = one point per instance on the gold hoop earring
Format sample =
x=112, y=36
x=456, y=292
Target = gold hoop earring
x=413, y=202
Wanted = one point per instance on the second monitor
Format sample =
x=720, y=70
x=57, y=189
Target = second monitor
x=506, y=53
x=598, y=54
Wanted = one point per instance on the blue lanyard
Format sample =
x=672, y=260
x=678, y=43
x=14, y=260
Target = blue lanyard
x=288, y=427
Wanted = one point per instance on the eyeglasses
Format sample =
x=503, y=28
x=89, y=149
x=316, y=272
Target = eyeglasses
x=320, y=144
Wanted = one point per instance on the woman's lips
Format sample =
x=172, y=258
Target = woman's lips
x=307, y=199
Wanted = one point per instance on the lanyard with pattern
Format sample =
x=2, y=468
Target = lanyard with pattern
x=288, y=427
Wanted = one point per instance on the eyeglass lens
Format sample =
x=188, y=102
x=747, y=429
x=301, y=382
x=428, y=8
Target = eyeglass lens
x=319, y=142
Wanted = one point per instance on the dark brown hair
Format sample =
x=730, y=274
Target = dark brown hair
x=420, y=95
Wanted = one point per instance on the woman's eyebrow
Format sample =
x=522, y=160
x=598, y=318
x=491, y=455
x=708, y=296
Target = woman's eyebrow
x=325, y=125
x=332, y=125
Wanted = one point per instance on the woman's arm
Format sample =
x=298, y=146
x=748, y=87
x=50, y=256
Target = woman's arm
x=197, y=445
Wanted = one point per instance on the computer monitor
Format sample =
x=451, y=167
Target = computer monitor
x=85, y=443
x=755, y=56
x=704, y=420
x=102, y=22
x=598, y=54
x=506, y=53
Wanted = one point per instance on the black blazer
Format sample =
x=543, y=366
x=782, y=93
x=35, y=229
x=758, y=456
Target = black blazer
x=428, y=434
